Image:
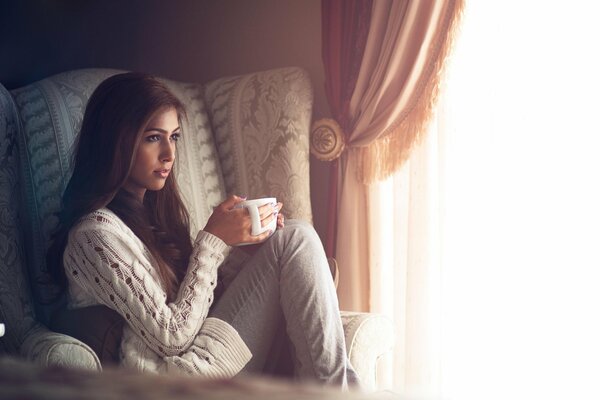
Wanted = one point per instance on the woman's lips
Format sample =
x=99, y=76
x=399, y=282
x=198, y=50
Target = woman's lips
x=163, y=173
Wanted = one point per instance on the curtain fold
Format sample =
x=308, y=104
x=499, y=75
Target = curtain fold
x=391, y=103
x=406, y=269
x=398, y=83
x=345, y=26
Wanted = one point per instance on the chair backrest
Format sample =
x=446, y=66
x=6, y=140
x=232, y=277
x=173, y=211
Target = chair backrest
x=15, y=304
x=261, y=123
x=51, y=112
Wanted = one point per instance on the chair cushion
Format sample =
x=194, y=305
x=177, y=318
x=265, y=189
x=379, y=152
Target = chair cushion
x=97, y=326
x=51, y=112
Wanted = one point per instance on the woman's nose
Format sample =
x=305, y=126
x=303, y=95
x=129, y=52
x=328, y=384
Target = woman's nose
x=167, y=152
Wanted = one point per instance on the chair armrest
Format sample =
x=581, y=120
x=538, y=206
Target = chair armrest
x=368, y=337
x=48, y=348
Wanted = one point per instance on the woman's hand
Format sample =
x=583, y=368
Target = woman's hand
x=280, y=224
x=234, y=225
x=280, y=217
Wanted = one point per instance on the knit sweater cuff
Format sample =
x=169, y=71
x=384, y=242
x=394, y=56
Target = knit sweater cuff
x=213, y=242
x=235, y=354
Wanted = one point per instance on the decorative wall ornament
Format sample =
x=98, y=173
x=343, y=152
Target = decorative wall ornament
x=326, y=139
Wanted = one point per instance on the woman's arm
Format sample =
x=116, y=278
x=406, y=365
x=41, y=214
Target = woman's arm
x=114, y=269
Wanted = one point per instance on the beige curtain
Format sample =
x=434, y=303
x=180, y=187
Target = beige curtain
x=405, y=228
x=393, y=100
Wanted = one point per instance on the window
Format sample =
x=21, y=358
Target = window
x=515, y=198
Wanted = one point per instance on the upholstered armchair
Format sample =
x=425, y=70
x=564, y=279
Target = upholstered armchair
x=245, y=135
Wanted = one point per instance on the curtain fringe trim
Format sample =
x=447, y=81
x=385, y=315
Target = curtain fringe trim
x=387, y=154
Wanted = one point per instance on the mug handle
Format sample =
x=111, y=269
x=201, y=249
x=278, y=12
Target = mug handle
x=255, y=216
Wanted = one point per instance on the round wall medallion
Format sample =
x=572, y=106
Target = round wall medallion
x=326, y=139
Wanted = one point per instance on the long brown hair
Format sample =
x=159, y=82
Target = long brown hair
x=111, y=130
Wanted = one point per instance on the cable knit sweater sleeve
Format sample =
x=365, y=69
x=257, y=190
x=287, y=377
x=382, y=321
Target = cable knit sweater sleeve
x=107, y=260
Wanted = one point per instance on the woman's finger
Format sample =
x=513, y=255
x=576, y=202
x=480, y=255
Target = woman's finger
x=268, y=219
x=265, y=210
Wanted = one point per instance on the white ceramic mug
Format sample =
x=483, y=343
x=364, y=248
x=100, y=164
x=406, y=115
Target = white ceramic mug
x=252, y=206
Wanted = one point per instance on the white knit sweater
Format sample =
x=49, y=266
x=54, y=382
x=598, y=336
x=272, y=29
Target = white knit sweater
x=106, y=263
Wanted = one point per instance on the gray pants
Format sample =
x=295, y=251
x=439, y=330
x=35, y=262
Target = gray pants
x=286, y=287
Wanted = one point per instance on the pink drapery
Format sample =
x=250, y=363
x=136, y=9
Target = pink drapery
x=391, y=103
x=345, y=26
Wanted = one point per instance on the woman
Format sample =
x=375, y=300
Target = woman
x=124, y=241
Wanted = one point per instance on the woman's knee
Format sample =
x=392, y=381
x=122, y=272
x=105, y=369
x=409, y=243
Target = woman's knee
x=298, y=240
x=297, y=231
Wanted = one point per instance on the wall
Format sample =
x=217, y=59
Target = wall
x=192, y=40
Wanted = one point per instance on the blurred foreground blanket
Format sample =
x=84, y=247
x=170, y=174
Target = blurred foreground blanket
x=20, y=379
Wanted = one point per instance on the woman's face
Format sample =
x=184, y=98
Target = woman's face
x=155, y=154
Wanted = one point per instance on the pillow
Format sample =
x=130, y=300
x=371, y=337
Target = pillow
x=99, y=327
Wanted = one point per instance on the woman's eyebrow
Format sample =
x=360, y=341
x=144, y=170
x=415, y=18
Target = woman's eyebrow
x=161, y=130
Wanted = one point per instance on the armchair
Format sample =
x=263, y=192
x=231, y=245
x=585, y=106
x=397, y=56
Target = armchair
x=250, y=136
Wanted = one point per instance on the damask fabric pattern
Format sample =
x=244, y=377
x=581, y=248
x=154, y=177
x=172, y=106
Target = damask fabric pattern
x=106, y=263
x=261, y=123
x=16, y=310
x=23, y=334
x=51, y=113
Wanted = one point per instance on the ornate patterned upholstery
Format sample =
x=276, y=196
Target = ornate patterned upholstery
x=261, y=124
x=250, y=136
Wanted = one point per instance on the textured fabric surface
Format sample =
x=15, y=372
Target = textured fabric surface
x=51, y=112
x=23, y=334
x=49, y=348
x=288, y=281
x=19, y=380
x=261, y=124
x=368, y=337
x=16, y=310
x=106, y=263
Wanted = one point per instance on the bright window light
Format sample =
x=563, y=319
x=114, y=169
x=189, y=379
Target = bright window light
x=521, y=200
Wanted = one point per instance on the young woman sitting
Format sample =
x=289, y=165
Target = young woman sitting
x=195, y=304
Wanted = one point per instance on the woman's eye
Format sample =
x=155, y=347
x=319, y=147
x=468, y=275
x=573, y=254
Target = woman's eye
x=175, y=136
x=153, y=138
